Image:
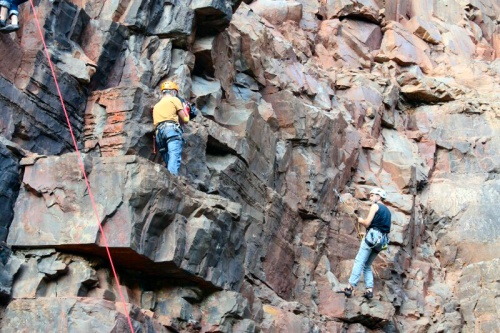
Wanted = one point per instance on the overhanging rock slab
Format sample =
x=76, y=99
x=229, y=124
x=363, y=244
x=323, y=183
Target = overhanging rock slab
x=145, y=214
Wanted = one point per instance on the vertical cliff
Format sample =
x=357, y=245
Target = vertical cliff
x=298, y=100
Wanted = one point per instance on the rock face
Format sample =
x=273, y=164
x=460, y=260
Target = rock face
x=187, y=233
x=299, y=100
x=10, y=183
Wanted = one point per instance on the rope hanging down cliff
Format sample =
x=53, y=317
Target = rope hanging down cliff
x=82, y=167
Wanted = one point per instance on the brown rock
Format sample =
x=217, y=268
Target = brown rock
x=79, y=314
x=11, y=56
x=344, y=45
x=458, y=41
x=276, y=319
x=273, y=141
x=427, y=149
x=299, y=38
x=425, y=30
x=404, y=48
x=371, y=314
x=330, y=303
x=415, y=86
x=477, y=292
x=496, y=45
x=112, y=113
x=277, y=12
x=368, y=9
x=367, y=33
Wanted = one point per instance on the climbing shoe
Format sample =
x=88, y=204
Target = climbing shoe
x=347, y=291
x=368, y=294
x=9, y=28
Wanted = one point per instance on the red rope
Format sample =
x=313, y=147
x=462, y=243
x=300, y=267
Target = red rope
x=80, y=160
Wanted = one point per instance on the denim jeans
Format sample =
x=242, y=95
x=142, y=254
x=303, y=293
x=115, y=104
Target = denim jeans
x=12, y=5
x=169, y=140
x=363, y=264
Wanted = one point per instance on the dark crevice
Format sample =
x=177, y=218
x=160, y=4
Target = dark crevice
x=203, y=65
x=217, y=148
x=358, y=17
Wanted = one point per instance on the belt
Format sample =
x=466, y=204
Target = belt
x=168, y=124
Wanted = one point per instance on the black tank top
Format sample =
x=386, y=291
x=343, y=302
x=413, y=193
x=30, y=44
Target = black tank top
x=382, y=219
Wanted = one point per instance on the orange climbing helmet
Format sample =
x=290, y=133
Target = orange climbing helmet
x=169, y=85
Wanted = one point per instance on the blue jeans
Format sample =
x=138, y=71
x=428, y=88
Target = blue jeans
x=12, y=5
x=363, y=264
x=169, y=140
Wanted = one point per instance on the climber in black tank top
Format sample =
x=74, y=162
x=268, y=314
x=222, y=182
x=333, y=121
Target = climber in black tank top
x=378, y=226
x=382, y=219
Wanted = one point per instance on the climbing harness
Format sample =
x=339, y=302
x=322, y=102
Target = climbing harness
x=376, y=240
x=82, y=167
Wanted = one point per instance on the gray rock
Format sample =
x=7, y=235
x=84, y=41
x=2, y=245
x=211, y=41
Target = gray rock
x=186, y=232
x=9, y=267
x=37, y=128
x=213, y=16
x=103, y=42
x=226, y=310
x=176, y=22
x=9, y=184
x=207, y=94
x=160, y=54
x=74, y=315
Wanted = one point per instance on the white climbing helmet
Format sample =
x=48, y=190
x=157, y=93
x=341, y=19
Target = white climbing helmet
x=379, y=191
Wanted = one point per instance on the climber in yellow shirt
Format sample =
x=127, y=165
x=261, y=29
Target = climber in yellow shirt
x=168, y=115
